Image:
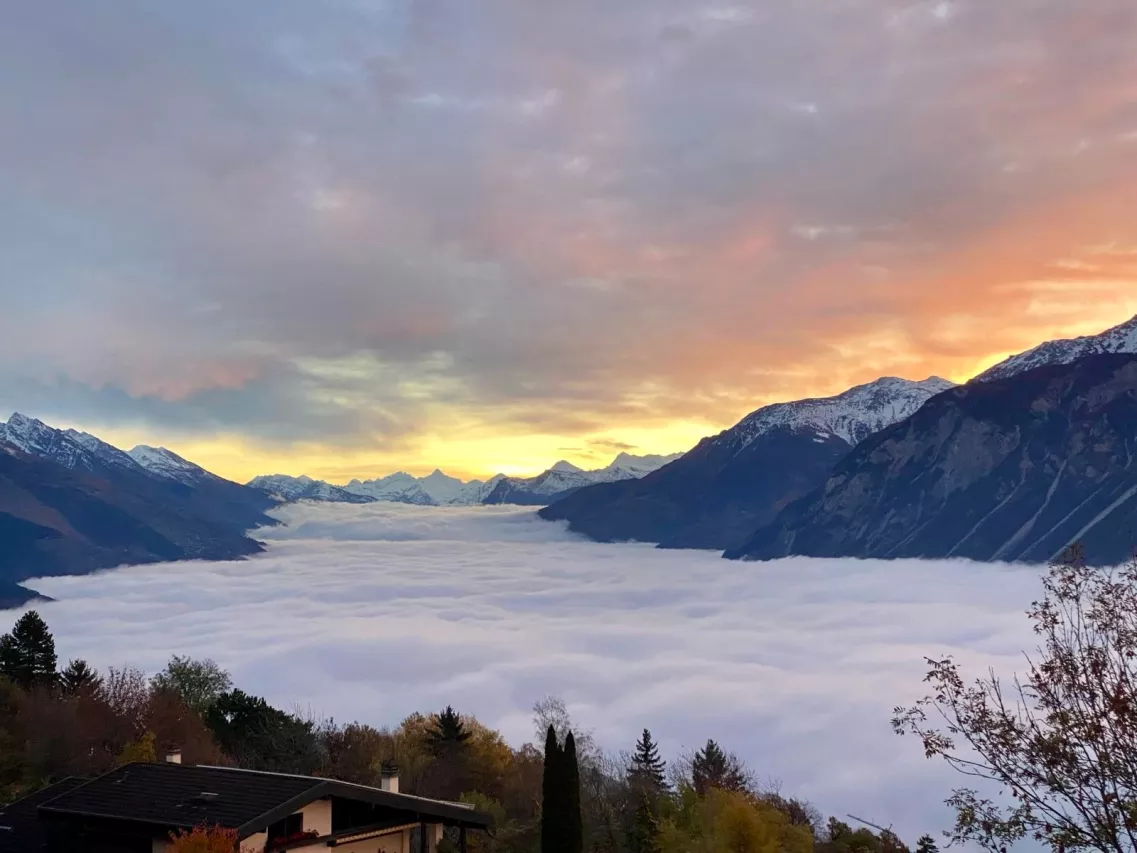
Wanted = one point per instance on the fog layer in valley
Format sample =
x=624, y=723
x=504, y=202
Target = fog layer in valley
x=371, y=612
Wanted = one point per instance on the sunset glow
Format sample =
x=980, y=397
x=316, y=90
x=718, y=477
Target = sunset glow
x=320, y=239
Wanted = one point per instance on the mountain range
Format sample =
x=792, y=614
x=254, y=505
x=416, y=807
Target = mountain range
x=718, y=493
x=439, y=489
x=1016, y=469
x=1025, y=459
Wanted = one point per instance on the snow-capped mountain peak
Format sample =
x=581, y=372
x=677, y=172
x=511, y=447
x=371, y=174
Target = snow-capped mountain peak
x=1119, y=339
x=165, y=463
x=564, y=477
x=626, y=466
x=30, y=435
x=288, y=488
x=70, y=448
x=852, y=416
x=399, y=487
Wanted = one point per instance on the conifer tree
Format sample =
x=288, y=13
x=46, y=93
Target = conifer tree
x=926, y=844
x=711, y=768
x=647, y=768
x=643, y=836
x=574, y=822
x=77, y=678
x=27, y=655
x=447, y=732
x=552, y=813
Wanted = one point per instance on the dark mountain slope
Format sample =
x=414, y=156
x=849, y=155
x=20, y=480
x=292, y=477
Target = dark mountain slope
x=715, y=495
x=1014, y=469
x=55, y=520
x=711, y=497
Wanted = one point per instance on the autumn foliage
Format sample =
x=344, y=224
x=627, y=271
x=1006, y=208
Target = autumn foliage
x=206, y=839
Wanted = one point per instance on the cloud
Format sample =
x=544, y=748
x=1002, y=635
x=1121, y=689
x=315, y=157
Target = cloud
x=693, y=209
x=372, y=612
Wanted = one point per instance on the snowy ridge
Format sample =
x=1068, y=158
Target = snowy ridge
x=564, y=475
x=399, y=487
x=435, y=489
x=165, y=463
x=853, y=415
x=1119, y=339
x=288, y=488
x=70, y=448
x=439, y=489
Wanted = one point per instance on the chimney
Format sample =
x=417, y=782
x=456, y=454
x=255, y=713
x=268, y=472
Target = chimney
x=389, y=777
x=174, y=756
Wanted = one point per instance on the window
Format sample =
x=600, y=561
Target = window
x=285, y=830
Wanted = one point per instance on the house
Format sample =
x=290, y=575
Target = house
x=134, y=808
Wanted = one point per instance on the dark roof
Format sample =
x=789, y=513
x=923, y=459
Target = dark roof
x=171, y=795
x=20, y=829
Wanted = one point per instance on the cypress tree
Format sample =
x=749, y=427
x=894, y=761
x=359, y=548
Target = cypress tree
x=552, y=797
x=27, y=655
x=574, y=822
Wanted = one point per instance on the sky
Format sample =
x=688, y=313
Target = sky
x=795, y=665
x=353, y=236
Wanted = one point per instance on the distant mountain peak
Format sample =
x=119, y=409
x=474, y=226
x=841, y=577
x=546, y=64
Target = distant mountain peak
x=1119, y=339
x=566, y=467
x=288, y=488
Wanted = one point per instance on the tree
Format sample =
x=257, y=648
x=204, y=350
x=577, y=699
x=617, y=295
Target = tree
x=643, y=836
x=198, y=682
x=842, y=838
x=729, y=821
x=205, y=839
x=646, y=771
x=260, y=737
x=574, y=823
x=798, y=812
x=77, y=678
x=27, y=655
x=142, y=750
x=926, y=844
x=711, y=767
x=1061, y=741
x=552, y=711
x=553, y=811
x=447, y=732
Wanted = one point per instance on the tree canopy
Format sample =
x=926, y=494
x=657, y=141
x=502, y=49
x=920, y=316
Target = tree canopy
x=27, y=654
x=1060, y=742
x=198, y=682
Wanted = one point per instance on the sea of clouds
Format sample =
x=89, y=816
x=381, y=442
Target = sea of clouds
x=371, y=612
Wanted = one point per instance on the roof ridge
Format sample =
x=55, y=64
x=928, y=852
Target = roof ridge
x=324, y=779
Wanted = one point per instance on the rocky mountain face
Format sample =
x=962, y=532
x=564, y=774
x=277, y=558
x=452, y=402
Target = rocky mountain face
x=718, y=493
x=1119, y=339
x=1013, y=469
x=71, y=504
